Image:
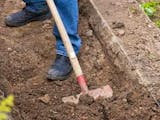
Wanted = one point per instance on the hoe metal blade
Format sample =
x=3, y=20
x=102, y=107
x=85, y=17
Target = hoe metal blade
x=103, y=92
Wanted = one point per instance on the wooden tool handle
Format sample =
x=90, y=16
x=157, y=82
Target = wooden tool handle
x=66, y=41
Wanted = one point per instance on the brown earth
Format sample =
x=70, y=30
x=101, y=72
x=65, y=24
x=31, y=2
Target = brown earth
x=138, y=41
x=26, y=54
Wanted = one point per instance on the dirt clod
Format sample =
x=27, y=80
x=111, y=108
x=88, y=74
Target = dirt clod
x=45, y=99
x=86, y=99
x=89, y=33
x=117, y=24
x=5, y=87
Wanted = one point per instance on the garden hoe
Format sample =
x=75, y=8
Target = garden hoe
x=103, y=92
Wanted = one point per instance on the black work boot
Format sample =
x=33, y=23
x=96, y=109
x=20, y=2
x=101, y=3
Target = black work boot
x=61, y=68
x=24, y=16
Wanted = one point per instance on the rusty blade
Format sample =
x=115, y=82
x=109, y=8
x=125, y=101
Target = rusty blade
x=103, y=92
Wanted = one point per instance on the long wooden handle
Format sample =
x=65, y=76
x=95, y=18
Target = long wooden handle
x=66, y=40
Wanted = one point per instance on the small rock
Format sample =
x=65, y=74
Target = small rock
x=9, y=49
x=89, y=33
x=45, y=99
x=150, y=26
x=120, y=32
x=47, y=24
x=124, y=100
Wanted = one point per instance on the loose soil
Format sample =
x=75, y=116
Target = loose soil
x=26, y=54
x=139, y=38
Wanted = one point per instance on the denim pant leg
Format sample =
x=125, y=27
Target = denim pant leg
x=36, y=6
x=68, y=10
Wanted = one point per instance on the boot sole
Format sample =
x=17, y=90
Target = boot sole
x=58, y=78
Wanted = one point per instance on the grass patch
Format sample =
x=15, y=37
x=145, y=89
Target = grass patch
x=152, y=9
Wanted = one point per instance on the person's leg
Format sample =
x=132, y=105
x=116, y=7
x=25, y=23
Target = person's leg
x=68, y=10
x=35, y=10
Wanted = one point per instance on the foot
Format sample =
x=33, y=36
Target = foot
x=61, y=68
x=23, y=17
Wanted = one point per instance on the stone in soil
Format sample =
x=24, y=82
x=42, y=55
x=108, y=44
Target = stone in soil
x=86, y=99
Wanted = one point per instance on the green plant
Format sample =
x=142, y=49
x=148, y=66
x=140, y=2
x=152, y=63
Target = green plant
x=158, y=23
x=150, y=8
x=6, y=106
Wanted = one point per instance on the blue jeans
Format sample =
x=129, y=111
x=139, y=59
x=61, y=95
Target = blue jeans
x=68, y=10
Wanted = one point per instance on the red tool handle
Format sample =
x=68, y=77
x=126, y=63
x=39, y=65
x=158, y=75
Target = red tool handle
x=82, y=82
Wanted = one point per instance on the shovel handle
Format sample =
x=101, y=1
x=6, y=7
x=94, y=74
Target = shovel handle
x=70, y=51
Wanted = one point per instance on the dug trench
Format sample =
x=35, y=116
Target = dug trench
x=27, y=52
